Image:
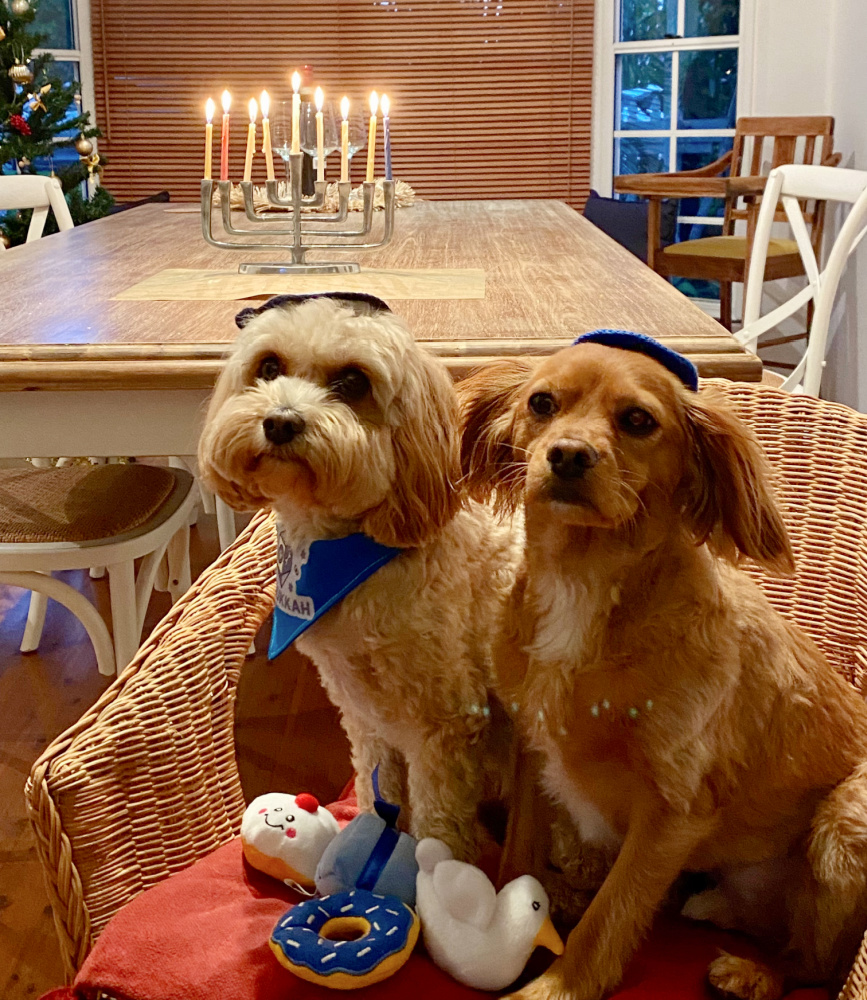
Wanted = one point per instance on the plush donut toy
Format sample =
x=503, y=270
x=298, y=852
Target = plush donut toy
x=285, y=836
x=347, y=940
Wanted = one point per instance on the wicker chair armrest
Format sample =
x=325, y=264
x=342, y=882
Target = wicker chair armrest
x=115, y=801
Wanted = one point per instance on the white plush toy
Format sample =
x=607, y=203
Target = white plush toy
x=481, y=938
x=285, y=835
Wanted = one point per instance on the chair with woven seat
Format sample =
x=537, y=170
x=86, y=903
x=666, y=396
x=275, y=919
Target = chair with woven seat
x=75, y=517
x=739, y=177
x=174, y=704
x=39, y=193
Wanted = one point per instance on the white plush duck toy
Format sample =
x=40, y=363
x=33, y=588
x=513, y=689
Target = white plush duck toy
x=480, y=937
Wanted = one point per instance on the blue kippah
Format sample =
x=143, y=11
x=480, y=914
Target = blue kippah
x=676, y=363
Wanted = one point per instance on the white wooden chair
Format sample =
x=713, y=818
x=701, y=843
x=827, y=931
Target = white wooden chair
x=75, y=517
x=794, y=185
x=39, y=193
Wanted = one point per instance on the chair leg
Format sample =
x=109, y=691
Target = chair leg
x=226, y=530
x=78, y=604
x=178, y=558
x=725, y=304
x=35, y=622
x=124, y=613
x=144, y=583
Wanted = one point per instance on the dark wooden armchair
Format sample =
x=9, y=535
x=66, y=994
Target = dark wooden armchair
x=760, y=144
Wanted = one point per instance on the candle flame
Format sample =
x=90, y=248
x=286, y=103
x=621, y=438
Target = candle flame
x=210, y=108
x=254, y=109
x=344, y=107
x=296, y=81
x=319, y=98
x=374, y=102
x=385, y=104
x=226, y=101
x=264, y=103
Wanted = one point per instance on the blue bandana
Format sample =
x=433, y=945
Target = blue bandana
x=676, y=363
x=314, y=578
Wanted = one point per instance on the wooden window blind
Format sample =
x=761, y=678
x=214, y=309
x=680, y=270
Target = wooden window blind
x=489, y=98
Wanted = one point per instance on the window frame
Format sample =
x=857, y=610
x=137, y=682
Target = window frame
x=607, y=48
x=82, y=54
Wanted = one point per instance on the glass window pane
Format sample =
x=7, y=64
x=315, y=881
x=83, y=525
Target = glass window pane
x=54, y=22
x=708, y=89
x=642, y=19
x=643, y=98
x=640, y=156
x=711, y=17
x=696, y=152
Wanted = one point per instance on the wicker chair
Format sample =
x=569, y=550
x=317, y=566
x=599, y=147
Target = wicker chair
x=107, y=798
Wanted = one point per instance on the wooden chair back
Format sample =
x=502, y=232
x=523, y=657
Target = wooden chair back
x=764, y=143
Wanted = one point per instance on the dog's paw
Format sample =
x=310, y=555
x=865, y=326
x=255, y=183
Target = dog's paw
x=552, y=986
x=733, y=978
x=711, y=905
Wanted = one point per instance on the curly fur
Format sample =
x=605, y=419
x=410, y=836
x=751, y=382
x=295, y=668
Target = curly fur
x=406, y=657
x=671, y=709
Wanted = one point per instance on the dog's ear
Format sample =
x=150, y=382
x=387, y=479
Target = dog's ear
x=425, y=495
x=729, y=500
x=218, y=431
x=488, y=458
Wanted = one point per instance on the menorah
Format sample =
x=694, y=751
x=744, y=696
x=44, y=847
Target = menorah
x=295, y=210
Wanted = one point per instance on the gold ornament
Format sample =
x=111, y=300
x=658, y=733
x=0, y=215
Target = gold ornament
x=20, y=74
x=19, y=7
x=4, y=239
x=24, y=163
x=92, y=162
x=37, y=103
x=2, y=33
x=83, y=146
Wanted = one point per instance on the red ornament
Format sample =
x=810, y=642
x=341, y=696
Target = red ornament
x=19, y=124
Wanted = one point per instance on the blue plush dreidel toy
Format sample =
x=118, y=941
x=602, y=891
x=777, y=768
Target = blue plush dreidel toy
x=370, y=853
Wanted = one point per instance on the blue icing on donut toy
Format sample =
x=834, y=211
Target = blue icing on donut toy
x=346, y=940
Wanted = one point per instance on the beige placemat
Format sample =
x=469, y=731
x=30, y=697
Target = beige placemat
x=183, y=283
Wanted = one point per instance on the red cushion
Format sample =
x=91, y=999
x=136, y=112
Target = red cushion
x=204, y=933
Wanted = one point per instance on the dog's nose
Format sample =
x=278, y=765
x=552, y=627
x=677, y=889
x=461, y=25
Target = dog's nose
x=282, y=426
x=571, y=459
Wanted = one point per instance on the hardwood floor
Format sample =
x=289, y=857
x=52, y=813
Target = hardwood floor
x=288, y=738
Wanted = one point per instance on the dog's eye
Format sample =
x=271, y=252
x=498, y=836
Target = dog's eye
x=269, y=368
x=542, y=404
x=637, y=422
x=350, y=384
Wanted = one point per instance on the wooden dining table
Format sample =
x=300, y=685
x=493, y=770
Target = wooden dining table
x=84, y=372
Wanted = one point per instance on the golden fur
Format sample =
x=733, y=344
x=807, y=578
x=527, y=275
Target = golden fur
x=669, y=708
x=406, y=656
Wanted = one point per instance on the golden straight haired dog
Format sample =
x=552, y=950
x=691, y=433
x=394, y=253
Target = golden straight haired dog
x=328, y=413
x=674, y=713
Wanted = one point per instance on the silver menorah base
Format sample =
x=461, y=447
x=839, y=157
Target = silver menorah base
x=304, y=226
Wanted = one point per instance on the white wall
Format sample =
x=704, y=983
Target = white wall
x=810, y=57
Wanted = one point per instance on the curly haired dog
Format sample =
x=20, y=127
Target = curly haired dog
x=674, y=713
x=328, y=413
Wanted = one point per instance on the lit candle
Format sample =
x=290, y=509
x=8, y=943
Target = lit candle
x=319, y=98
x=371, y=137
x=265, y=104
x=224, y=137
x=344, y=140
x=210, y=108
x=386, y=135
x=251, y=139
x=296, y=113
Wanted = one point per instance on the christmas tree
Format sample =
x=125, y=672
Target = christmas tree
x=40, y=114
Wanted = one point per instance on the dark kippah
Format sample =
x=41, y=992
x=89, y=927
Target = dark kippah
x=245, y=315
